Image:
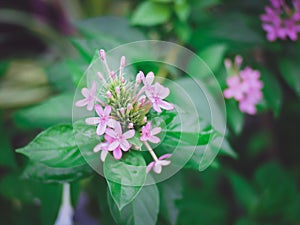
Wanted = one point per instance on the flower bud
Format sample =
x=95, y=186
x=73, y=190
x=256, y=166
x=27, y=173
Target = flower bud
x=102, y=54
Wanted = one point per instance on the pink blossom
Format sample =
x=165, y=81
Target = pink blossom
x=281, y=21
x=159, y=163
x=148, y=134
x=235, y=88
x=119, y=142
x=90, y=97
x=103, y=146
x=102, y=120
x=147, y=81
x=250, y=79
x=156, y=97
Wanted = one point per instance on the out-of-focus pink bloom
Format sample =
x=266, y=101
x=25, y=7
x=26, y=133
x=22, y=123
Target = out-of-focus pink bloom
x=102, y=120
x=281, y=21
x=158, y=164
x=148, y=134
x=119, y=142
x=156, y=97
x=90, y=97
x=147, y=81
x=235, y=88
x=245, y=87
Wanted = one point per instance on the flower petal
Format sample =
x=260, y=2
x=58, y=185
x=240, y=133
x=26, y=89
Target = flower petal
x=157, y=168
x=155, y=130
x=165, y=156
x=99, y=110
x=92, y=120
x=125, y=145
x=117, y=153
x=103, y=155
x=129, y=134
x=114, y=145
x=149, y=167
x=81, y=102
x=101, y=129
x=107, y=110
x=111, y=133
x=154, y=139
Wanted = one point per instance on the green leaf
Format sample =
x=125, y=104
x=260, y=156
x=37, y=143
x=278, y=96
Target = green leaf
x=42, y=173
x=272, y=91
x=143, y=209
x=25, y=191
x=55, y=147
x=213, y=56
x=125, y=177
x=7, y=157
x=235, y=116
x=290, y=72
x=182, y=9
x=243, y=191
x=151, y=13
x=170, y=193
x=57, y=109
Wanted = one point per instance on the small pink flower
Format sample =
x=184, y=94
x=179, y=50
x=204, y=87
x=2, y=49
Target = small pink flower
x=119, y=142
x=235, y=88
x=250, y=79
x=103, y=146
x=102, y=120
x=148, y=133
x=90, y=97
x=147, y=81
x=156, y=97
x=159, y=163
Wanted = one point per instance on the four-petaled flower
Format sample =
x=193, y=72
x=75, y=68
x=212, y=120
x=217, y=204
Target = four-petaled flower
x=119, y=141
x=159, y=163
x=102, y=120
x=148, y=133
x=156, y=97
x=90, y=97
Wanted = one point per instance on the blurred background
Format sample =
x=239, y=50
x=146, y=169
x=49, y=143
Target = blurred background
x=46, y=45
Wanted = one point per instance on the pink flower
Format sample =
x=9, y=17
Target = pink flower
x=281, y=21
x=90, y=97
x=102, y=120
x=250, y=79
x=103, y=146
x=148, y=134
x=147, y=81
x=156, y=97
x=159, y=163
x=235, y=88
x=119, y=142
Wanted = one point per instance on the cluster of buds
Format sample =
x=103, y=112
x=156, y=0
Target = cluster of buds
x=243, y=85
x=122, y=112
x=282, y=20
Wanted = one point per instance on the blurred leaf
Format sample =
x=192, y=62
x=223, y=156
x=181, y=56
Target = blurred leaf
x=272, y=91
x=170, y=193
x=55, y=147
x=98, y=34
x=182, y=9
x=243, y=191
x=45, y=196
x=144, y=208
x=235, y=116
x=40, y=172
x=151, y=13
x=213, y=56
x=290, y=72
x=57, y=109
x=125, y=177
x=7, y=157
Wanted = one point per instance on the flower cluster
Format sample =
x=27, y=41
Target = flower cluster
x=122, y=109
x=243, y=85
x=282, y=20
